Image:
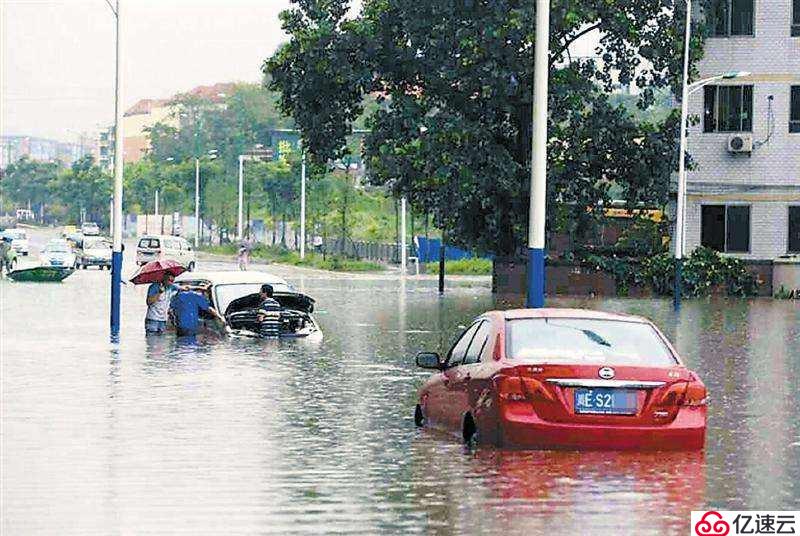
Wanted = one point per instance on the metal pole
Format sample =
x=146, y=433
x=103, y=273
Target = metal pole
x=196, y=202
x=680, y=208
x=239, y=226
x=156, y=203
x=403, y=254
x=116, y=256
x=303, y=206
x=536, y=222
x=442, y=254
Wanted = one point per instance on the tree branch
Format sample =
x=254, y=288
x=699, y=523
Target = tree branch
x=577, y=36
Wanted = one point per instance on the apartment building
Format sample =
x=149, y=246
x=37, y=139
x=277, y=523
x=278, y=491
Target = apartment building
x=743, y=193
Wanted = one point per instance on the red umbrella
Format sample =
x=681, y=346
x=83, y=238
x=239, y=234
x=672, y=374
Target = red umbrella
x=153, y=272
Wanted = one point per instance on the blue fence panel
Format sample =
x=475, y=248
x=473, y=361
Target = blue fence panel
x=428, y=250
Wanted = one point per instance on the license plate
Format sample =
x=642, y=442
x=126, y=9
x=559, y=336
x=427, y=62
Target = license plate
x=606, y=401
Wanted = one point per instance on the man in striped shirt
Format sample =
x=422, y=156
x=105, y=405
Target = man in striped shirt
x=269, y=313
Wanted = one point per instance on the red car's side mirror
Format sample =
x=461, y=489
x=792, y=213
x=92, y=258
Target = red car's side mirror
x=429, y=360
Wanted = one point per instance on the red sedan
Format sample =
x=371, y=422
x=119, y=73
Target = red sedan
x=564, y=379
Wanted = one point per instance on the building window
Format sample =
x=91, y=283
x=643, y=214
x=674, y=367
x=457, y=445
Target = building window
x=794, y=109
x=731, y=17
x=796, y=18
x=728, y=109
x=725, y=228
x=794, y=229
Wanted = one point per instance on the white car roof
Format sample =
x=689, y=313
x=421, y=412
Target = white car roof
x=160, y=236
x=233, y=277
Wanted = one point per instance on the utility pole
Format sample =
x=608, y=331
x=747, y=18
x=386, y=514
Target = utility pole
x=239, y=226
x=303, y=205
x=538, y=204
x=403, y=261
x=678, y=290
x=196, y=202
x=116, y=256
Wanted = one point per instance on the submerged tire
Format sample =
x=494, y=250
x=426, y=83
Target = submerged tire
x=469, y=432
x=419, y=417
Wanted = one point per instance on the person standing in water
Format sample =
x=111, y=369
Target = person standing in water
x=159, y=296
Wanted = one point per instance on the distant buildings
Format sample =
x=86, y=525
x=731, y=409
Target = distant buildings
x=146, y=113
x=12, y=148
x=743, y=195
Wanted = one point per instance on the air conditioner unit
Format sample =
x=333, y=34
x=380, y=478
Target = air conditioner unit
x=740, y=143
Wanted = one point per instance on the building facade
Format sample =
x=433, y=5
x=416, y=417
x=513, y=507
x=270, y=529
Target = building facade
x=743, y=193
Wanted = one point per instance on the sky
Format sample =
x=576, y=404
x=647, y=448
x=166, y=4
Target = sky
x=57, y=73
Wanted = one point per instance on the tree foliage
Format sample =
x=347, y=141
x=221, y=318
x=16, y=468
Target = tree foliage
x=453, y=80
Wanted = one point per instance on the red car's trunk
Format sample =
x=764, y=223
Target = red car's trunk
x=653, y=394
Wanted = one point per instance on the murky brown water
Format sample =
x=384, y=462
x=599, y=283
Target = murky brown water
x=243, y=437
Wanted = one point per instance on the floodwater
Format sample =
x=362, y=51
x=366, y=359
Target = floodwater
x=245, y=437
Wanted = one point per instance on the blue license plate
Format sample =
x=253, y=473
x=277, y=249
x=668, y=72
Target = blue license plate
x=606, y=401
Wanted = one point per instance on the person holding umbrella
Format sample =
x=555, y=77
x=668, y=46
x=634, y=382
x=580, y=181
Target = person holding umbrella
x=159, y=296
x=160, y=275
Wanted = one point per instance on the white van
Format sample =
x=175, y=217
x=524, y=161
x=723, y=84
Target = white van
x=165, y=247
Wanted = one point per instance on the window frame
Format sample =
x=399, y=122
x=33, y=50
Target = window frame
x=794, y=98
x=483, y=323
x=794, y=19
x=447, y=363
x=789, y=228
x=725, y=248
x=715, y=115
x=729, y=22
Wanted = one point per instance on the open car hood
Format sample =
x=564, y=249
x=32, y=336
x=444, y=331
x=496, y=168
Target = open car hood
x=288, y=300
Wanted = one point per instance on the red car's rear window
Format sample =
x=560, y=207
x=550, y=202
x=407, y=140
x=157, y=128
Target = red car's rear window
x=586, y=341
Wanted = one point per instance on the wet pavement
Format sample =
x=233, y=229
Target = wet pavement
x=244, y=437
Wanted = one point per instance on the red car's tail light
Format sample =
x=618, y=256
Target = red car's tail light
x=674, y=395
x=696, y=394
x=535, y=390
x=510, y=389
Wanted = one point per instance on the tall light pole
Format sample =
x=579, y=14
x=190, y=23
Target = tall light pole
x=116, y=224
x=239, y=224
x=680, y=209
x=679, y=222
x=303, y=205
x=403, y=254
x=538, y=200
x=196, y=202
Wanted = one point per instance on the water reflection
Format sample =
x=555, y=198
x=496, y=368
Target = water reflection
x=247, y=436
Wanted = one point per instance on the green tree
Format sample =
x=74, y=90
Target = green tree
x=85, y=186
x=454, y=80
x=28, y=181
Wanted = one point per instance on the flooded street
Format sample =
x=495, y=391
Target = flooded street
x=241, y=437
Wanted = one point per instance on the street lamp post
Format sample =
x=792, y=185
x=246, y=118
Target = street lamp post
x=239, y=224
x=680, y=209
x=536, y=222
x=303, y=206
x=116, y=224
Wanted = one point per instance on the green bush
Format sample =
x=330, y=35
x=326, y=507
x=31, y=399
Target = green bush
x=474, y=266
x=286, y=256
x=704, y=271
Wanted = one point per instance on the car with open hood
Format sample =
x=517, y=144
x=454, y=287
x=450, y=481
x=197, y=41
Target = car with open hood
x=235, y=294
x=564, y=379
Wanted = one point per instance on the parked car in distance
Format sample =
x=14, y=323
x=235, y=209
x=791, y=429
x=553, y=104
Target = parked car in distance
x=564, y=379
x=94, y=251
x=19, y=240
x=165, y=247
x=90, y=228
x=58, y=252
x=68, y=230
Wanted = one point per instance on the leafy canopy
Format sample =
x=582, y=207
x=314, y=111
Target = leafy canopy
x=453, y=80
